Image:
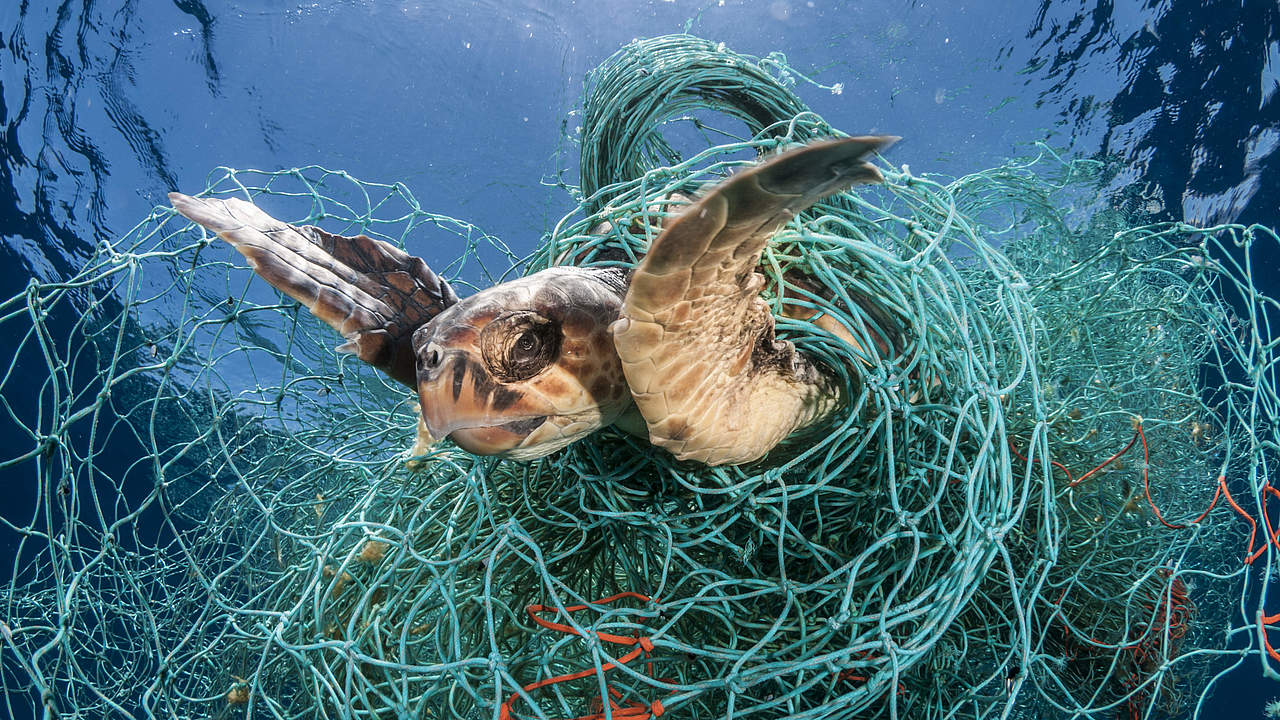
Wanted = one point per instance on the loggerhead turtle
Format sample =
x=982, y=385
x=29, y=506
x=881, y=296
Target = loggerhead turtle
x=681, y=351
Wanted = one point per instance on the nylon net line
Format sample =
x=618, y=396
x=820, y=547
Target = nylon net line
x=1051, y=502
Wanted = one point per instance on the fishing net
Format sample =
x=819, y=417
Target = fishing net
x=1049, y=501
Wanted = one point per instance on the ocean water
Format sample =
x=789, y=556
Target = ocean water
x=107, y=106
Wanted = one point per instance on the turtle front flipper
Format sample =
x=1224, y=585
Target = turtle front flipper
x=696, y=341
x=372, y=292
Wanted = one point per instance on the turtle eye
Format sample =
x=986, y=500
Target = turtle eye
x=527, y=343
x=519, y=345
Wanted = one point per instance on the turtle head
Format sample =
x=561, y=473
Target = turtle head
x=526, y=367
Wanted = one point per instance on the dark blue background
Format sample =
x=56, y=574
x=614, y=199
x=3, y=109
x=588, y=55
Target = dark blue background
x=105, y=106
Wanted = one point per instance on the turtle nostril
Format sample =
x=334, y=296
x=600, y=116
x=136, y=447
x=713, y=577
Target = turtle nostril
x=432, y=357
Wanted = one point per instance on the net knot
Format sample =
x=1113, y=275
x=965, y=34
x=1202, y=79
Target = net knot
x=496, y=663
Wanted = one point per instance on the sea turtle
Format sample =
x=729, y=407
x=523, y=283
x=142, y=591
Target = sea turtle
x=681, y=350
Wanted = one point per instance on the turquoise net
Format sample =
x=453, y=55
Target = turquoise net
x=1051, y=502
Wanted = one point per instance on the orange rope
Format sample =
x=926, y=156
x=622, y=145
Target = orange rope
x=1054, y=463
x=1220, y=491
x=1263, y=622
x=1253, y=526
x=1146, y=484
x=1146, y=489
x=1273, y=535
x=1072, y=482
x=633, y=710
x=1107, y=462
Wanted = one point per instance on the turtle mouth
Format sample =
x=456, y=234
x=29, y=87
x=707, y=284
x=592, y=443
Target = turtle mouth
x=496, y=439
x=440, y=425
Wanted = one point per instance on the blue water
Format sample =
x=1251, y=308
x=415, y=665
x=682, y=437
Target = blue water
x=106, y=106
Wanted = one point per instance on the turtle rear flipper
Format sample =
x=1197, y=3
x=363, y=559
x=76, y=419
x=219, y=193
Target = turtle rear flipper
x=696, y=341
x=372, y=292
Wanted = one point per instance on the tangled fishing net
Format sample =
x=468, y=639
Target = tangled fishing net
x=1051, y=502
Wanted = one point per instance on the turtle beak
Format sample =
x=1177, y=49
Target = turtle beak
x=460, y=400
x=496, y=439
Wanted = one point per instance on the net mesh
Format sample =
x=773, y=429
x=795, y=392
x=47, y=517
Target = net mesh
x=1051, y=502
